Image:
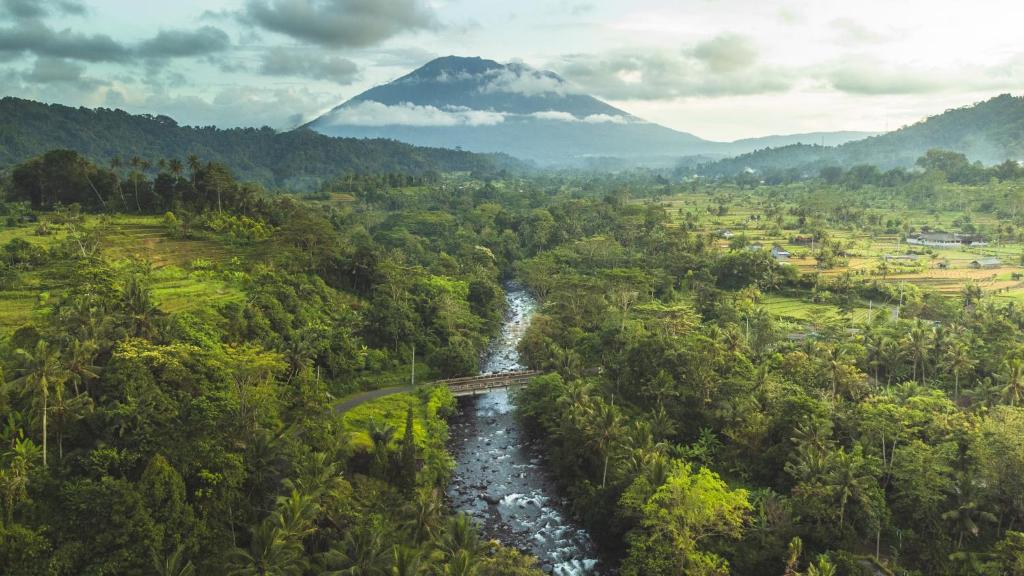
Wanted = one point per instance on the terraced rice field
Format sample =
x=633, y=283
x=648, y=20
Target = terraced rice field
x=175, y=286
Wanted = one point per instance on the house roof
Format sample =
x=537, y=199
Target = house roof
x=987, y=261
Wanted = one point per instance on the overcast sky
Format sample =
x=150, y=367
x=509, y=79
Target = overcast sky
x=721, y=69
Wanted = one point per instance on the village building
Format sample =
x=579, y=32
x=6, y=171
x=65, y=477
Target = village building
x=986, y=263
x=779, y=253
x=945, y=240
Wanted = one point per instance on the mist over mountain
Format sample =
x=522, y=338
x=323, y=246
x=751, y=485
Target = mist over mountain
x=989, y=132
x=484, y=106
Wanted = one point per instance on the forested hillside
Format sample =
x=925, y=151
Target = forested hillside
x=989, y=132
x=299, y=159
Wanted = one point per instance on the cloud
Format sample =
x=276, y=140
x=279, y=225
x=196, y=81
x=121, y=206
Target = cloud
x=605, y=119
x=37, y=38
x=868, y=76
x=520, y=79
x=61, y=72
x=280, y=61
x=561, y=116
x=184, y=43
x=370, y=113
x=667, y=75
x=726, y=53
x=35, y=9
x=555, y=115
x=340, y=23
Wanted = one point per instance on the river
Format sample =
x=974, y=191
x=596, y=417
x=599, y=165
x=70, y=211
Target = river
x=499, y=476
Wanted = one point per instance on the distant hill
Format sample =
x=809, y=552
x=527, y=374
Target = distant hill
x=989, y=132
x=298, y=159
x=485, y=106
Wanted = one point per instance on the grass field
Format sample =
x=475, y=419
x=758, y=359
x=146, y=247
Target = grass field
x=175, y=284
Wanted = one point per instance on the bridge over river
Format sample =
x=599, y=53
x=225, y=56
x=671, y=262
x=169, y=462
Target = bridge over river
x=464, y=386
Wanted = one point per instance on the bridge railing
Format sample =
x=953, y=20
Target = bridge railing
x=470, y=383
x=490, y=377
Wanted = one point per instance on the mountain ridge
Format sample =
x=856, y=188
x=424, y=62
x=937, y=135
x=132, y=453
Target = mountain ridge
x=989, y=131
x=297, y=159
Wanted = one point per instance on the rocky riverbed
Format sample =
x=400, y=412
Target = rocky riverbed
x=499, y=476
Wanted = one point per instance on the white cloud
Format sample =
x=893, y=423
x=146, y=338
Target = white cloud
x=369, y=113
x=526, y=81
x=605, y=119
x=555, y=115
x=560, y=116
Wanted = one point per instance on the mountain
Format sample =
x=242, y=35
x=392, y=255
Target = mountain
x=298, y=159
x=484, y=106
x=989, y=132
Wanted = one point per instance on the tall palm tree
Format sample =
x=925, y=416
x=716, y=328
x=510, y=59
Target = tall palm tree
x=604, y=428
x=1013, y=378
x=916, y=344
x=115, y=166
x=194, y=165
x=42, y=371
x=960, y=361
x=136, y=162
x=850, y=479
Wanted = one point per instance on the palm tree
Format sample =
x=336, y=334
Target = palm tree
x=115, y=166
x=460, y=535
x=136, y=162
x=14, y=479
x=916, y=344
x=79, y=356
x=1013, y=376
x=194, y=165
x=175, y=167
x=175, y=564
x=42, y=371
x=380, y=435
x=960, y=361
x=967, y=517
x=461, y=564
x=406, y=561
x=270, y=551
x=604, y=430
x=66, y=410
x=424, y=513
x=362, y=553
x=850, y=479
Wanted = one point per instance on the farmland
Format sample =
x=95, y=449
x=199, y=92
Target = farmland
x=185, y=274
x=870, y=246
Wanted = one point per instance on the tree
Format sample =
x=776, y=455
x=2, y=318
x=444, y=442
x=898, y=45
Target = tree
x=1013, y=380
x=41, y=372
x=686, y=511
x=604, y=430
x=960, y=360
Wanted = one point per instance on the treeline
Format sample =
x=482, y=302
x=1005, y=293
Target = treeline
x=696, y=434
x=297, y=160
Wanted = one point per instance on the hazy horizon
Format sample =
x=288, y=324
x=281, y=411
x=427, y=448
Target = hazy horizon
x=722, y=70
